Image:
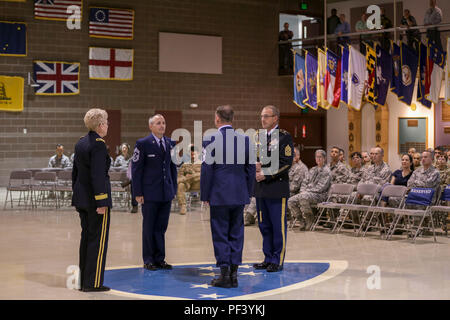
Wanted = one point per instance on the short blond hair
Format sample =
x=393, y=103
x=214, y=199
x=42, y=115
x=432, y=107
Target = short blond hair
x=94, y=117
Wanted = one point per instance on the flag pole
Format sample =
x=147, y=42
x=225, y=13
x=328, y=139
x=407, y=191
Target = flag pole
x=325, y=31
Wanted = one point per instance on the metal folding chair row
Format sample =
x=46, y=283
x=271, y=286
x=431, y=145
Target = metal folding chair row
x=443, y=208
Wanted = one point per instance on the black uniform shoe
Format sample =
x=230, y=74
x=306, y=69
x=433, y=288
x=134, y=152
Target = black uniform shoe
x=99, y=289
x=151, y=267
x=134, y=209
x=163, y=265
x=274, y=268
x=260, y=266
x=233, y=275
x=224, y=280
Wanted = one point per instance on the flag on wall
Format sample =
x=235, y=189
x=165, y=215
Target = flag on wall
x=357, y=78
x=55, y=9
x=13, y=39
x=447, y=74
x=371, y=63
x=111, y=23
x=110, y=64
x=396, y=66
x=11, y=93
x=435, y=71
x=409, y=64
x=311, y=81
x=344, y=74
x=333, y=79
x=423, y=57
x=322, y=69
x=299, y=80
x=56, y=78
x=383, y=75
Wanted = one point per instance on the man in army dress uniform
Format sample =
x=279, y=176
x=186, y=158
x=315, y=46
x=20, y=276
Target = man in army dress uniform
x=272, y=189
x=59, y=160
x=188, y=179
x=314, y=189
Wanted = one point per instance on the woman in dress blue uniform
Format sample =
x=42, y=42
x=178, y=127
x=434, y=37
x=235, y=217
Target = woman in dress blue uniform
x=92, y=199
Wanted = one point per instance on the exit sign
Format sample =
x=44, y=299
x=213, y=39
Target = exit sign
x=303, y=6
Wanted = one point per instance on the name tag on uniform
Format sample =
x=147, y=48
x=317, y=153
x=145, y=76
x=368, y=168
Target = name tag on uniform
x=151, y=155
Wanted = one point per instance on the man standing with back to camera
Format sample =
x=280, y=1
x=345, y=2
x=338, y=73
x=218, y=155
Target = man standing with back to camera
x=154, y=179
x=272, y=190
x=226, y=183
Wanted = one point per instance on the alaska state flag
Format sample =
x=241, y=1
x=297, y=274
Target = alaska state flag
x=383, y=75
x=409, y=64
x=344, y=75
x=422, y=76
x=396, y=66
x=13, y=39
x=299, y=80
x=333, y=79
x=311, y=81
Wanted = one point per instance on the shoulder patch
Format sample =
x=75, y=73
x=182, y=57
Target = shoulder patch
x=100, y=139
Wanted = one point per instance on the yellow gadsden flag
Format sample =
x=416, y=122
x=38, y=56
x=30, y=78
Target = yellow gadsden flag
x=11, y=93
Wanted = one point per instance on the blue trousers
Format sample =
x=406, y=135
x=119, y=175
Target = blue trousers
x=154, y=226
x=227, y=229
x=273, y=226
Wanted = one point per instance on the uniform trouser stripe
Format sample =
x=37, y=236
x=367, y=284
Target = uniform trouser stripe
x=283, y=229
x=100, y=250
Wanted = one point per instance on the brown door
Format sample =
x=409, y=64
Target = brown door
x=113, y=139
x=308, y=133
x=312, y=28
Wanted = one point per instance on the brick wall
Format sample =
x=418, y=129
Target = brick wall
x=249, y=29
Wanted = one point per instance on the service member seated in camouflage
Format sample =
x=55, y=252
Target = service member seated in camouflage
x=188, y=179
x=357, y=170
x=250, y=213
x=339, y=171
x=297, y=174
x=313, y=190
x=417, y=159
x=123, y=159
x=444, y=170
x=59, y=160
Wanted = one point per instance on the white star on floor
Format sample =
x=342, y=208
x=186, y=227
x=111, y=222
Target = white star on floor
x=251, y=273
x=205, y=286
x=206, y=268
x=210, y=274
x=245, y=266
x=214, y=296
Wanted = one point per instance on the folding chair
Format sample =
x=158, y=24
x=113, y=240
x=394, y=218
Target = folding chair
x=342, y=191
x=363, y=189
x=20, y=181
x=44, y=183
x=443, y=206
x=378, y=213
x=417, y=196
x=64, y=185
x=118, y=193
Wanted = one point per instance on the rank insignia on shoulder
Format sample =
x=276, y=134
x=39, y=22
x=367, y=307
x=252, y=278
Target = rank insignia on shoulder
x=100, y=139
x=288, y=151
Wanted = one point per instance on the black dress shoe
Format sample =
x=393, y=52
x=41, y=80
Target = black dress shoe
x=274, y=268
x=233, y=275
x=99, y=289
x=224, y=280
x=151, y=267
x=163, y=265
x=260, y=266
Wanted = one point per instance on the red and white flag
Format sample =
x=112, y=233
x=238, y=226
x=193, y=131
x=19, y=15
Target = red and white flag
x=333, y=79
x=111, y=23
x=55, y=9
x=434, y=73
x=110, y=64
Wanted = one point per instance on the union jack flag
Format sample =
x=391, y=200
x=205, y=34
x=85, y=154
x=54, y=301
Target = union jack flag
x=57, y=78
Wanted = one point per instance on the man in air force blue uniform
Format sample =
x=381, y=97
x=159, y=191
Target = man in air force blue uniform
x=226, y=183
x=272, y=190
x=154, y=179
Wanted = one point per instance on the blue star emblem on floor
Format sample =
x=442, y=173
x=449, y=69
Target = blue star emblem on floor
x=193, y=281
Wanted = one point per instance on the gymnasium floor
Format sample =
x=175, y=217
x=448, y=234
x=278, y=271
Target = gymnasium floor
x=38, y=246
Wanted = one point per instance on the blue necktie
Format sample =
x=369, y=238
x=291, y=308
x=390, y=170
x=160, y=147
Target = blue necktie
x=161, y=146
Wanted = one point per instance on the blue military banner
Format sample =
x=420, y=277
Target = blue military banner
x=13, y=39
x=344, y=75
x=383, y=75
x=409, y=64
x=422, y=76
x=299, y=80
x=396, y=66
x=311, y=67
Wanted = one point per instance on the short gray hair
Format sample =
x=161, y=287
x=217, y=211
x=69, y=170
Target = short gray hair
x=151, y=119
x=94, y=117
x=321, y=152
x=274, y=109
x=225, y=113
